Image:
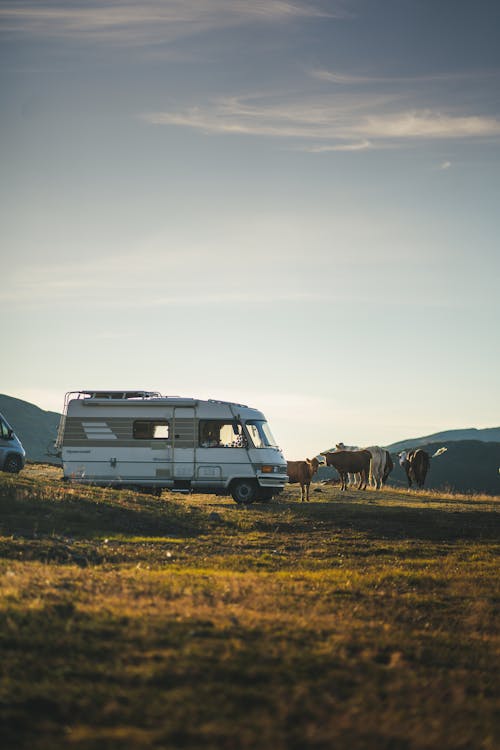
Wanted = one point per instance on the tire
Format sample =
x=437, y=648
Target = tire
x=13, y=464
x=244, y=491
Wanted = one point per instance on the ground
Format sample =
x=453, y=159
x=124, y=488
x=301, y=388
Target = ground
x=360, y=620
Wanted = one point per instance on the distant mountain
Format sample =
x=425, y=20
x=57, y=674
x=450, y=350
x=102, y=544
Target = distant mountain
x=486, y=435
x=36, y=429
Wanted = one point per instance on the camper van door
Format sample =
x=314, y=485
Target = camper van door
x=184, y=442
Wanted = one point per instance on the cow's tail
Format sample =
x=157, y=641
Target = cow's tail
x=371, y=473
x=439, y=452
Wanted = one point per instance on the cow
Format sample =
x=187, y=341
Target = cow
x=352, y=477
x=416, y=465
x=377, y=466
x=302, y=472
x=346, y=462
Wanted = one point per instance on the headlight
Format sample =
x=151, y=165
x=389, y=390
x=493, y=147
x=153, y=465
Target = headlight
x=269, y=469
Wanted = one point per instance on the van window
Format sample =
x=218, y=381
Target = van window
x=4, y=430
x=260, y=434
x=216, y=434
x=151, y=429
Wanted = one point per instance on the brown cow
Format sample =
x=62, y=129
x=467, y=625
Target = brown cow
x=350, y=462
x=302, y=472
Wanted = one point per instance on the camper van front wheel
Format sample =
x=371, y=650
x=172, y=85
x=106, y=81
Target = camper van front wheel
x=12, y=464
x=244, y=491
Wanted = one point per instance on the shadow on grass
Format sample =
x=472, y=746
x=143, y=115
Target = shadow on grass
x=30, y=512
x=390, y=522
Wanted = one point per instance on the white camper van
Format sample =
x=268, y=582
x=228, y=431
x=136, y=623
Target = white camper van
x=144, y=440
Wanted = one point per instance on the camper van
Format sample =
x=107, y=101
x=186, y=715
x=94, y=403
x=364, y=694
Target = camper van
x=141, y=439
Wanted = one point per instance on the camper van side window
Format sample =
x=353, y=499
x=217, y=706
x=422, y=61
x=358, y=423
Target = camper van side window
x=217, y=434
x=151, y=429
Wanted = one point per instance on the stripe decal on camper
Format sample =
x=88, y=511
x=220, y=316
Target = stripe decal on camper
x=98, y=431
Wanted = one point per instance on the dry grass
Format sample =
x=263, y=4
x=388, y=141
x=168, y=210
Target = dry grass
x=359, y=620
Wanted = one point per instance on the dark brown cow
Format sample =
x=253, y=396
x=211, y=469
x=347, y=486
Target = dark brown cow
x=350, y=462
x=302, y=472
x=416, y=465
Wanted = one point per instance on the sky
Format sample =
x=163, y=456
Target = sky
x=288, y=204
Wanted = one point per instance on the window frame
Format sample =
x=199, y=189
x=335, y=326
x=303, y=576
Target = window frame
x=152, y=424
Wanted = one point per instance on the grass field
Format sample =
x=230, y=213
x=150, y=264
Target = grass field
x=361, y=620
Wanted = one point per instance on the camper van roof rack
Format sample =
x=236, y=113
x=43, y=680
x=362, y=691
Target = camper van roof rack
x=120, y=395
x=229, y=403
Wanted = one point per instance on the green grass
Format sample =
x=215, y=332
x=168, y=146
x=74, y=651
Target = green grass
x=359, y=620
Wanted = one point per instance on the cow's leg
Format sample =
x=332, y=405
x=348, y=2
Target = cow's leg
x=363, y=479
x=301, y=493
x=307, y=491
x=343, y=476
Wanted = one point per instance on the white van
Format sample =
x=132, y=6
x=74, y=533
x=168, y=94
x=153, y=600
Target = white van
x=12, y=453
x=144, y=440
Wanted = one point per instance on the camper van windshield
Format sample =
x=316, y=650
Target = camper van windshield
x=4, y=430
x=260, y=434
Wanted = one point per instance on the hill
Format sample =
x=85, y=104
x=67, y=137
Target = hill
x=36, y=428
x=486, y=435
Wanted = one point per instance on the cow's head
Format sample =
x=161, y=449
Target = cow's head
x=314, y=464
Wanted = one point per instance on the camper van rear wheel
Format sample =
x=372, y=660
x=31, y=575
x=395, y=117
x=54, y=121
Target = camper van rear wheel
x=12, y=465
x=244, y=491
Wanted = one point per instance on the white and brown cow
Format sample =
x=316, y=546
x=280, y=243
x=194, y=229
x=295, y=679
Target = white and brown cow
x=377, y=466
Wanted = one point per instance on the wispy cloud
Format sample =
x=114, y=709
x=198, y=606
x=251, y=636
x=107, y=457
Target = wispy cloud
x=427, y=124
x=132, y=23
x=347, y=123
x=350, y=79
x=324, y=147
